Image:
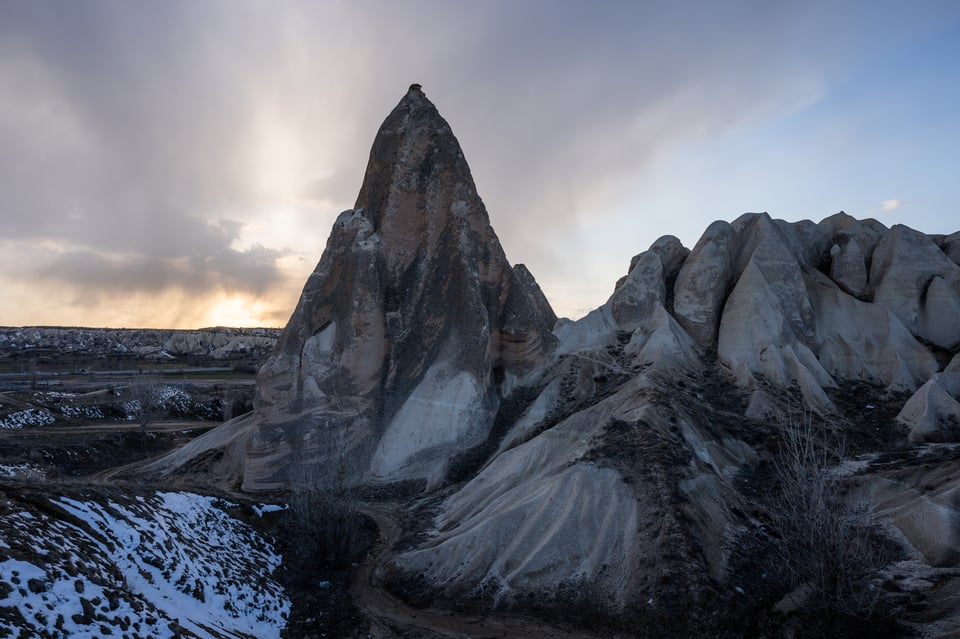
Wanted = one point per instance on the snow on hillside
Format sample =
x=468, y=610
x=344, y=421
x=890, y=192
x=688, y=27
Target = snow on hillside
x=166, y=565
x=27, y=417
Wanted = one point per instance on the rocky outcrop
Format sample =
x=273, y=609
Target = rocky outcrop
x=704, y=283
x=765, y=295
x=933, y=412
x=912, y=277
x=411, y=330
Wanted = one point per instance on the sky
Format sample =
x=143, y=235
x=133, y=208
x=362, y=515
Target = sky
x=180, y=163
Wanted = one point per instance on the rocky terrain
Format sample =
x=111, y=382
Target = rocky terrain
x=50, y=351
x=755, y=436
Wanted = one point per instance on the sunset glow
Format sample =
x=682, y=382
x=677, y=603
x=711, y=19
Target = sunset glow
x=181, y=164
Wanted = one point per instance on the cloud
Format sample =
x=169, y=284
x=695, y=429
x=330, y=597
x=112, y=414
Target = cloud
x=252, y=271
x=890, y=205
x=143, y=140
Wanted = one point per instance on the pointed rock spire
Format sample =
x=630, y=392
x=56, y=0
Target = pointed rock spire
x=411, y=328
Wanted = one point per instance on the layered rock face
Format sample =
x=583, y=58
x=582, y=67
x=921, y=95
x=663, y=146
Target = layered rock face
x=617, y=455
x=407, y=335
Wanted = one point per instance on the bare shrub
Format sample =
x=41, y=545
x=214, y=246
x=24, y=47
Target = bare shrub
x=324, y=497
x=829, y=547
x=147, y=394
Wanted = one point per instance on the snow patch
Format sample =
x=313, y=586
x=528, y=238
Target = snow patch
x=444, y=411
x=27, y=417
x=166, y=565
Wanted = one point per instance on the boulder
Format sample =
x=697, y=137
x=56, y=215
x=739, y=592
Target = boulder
x=848, y=265
x=933, y=412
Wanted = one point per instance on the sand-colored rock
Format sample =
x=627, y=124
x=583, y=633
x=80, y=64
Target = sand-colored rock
x=550, y=512
x=858, y=341
x=672, y=255
x=923, y=506
x=620, y=455
x=768, y=324
x=848, y=265
x=954, y=365
x=866, y=232
x=642, y=291
x=950, y=245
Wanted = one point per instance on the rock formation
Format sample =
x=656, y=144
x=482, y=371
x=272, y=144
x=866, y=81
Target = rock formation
x=410, y=332
x=598, y=455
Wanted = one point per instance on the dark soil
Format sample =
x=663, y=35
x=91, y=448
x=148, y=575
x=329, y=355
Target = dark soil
x=62, y=454
x=321, y=603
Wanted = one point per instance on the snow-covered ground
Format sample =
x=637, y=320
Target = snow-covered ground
x=21, y=471
x=27, y=417
x=164, y=565
x=45, y=408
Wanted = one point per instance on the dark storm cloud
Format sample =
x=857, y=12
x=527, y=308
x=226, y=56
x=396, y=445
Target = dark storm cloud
x=251, y=271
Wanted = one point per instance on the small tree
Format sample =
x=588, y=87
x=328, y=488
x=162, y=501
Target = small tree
x=147, y=394
x=830, y=549
x=324, y=496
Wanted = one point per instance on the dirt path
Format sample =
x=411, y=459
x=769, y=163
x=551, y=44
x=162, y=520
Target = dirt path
x=107, y=427
x=391, y=617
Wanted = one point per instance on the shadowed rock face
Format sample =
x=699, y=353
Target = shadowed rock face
x=411, y=328
x=413, y=318
x=784, y=313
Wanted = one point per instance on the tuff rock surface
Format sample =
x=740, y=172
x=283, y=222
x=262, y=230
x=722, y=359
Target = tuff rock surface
x=620, y=455
x=408, y=334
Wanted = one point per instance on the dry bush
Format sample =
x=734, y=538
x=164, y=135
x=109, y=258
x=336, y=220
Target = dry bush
x=829, y=548
x=324, y=521
x=147, y=395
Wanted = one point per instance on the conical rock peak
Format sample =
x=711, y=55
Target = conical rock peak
x=410, y=331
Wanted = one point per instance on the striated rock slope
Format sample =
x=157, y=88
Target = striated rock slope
x=665, y=398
